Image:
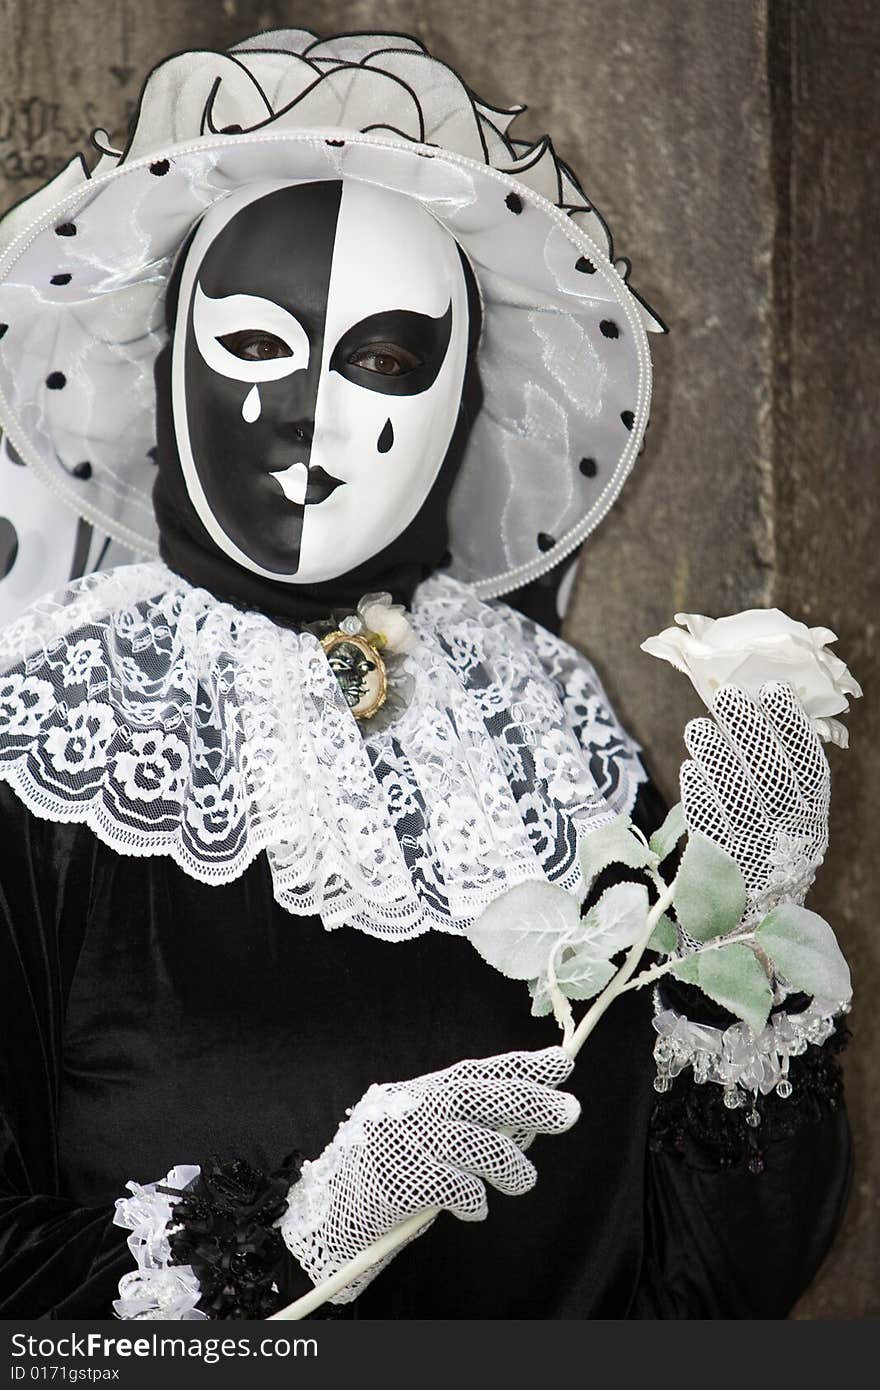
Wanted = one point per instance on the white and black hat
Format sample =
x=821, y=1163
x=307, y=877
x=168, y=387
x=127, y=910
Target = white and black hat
x=85, y=262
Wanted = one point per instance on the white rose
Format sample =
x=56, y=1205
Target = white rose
x=388, y=620
x=761, y=644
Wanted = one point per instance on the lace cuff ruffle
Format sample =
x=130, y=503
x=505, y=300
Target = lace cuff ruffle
x=158, y=1288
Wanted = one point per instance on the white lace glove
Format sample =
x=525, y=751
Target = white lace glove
x=757, y=783
x=431, y=1142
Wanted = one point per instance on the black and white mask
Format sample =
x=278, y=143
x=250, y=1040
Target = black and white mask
x=318, y=358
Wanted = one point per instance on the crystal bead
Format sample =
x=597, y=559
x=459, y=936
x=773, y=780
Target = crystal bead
x=731, y=1099
x=352, y=625
x=756, y=1164
x=784, y=1088
x=753, y=1119
x=662, y=1084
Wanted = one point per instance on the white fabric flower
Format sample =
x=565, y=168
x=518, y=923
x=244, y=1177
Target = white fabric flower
x=156, y=769
x=80, y=745
x=82, y=659
x=25, y=703
x=388, y=620
x=759, y=645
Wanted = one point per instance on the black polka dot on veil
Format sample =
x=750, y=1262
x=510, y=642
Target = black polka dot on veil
x=545, y=541
x=8, y=546
x=56, y=381
x=514, y=202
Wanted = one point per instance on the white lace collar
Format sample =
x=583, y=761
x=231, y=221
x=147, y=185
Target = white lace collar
x=172, y=723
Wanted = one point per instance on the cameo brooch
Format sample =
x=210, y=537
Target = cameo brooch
x=365, y=652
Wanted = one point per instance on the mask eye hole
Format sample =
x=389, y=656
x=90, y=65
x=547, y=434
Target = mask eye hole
x=385, y=359
x=246, y=338
x=255, y=345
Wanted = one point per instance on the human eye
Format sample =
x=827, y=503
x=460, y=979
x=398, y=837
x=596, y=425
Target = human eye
x=386, y=359
x=255, y=345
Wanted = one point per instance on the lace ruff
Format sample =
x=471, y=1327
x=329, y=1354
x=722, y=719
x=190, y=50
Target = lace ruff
x=172, y=723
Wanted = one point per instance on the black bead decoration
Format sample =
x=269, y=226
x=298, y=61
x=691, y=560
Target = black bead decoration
x=588, y=467
x=545, y=542
x=227, y=1232
x=514, y=202
x=56, y=381
x=153, y=453
x=334, y=142
x=159, y=167
x=628, y=418
x=231, y=130
x=3, y=328
x=585, y=266
x=608, y=328
x=65, y=229
x=82, y=470
x=61, y=280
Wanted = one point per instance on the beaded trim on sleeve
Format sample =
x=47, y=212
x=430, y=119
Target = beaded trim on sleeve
x=745, y=1065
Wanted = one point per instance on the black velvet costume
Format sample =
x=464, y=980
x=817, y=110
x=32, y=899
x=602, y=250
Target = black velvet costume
x=150, y=1020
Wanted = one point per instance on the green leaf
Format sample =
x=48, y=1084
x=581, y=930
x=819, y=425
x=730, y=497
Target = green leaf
x=664, y=840
x=614, y=843
x=804, y=949
x=617, y=919
x=732, y=976
x=579, y=976
x=710, y=892
x=664, y=937
x=517, y=931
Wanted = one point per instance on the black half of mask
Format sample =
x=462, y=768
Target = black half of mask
x=185, y=545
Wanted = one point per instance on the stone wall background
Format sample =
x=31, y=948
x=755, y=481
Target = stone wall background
x=733, y=149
